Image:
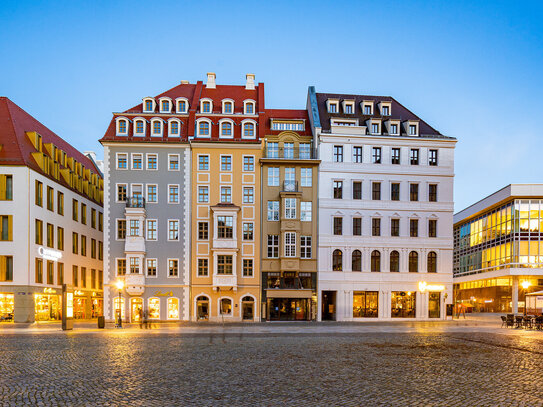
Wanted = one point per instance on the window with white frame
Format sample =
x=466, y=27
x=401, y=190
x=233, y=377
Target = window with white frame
x=137, y=161
x=305, y=247
x=413, y=130
x=225, y=227
x=394, y=129
x=228, y=107
x=290, y=178
x=204, y=128
x=247, y=267
x=225, y=264
x=182, y=106
x=385, y=110
x=173, y=194
x=349, y=108
x=173, y=229
x=152, y=161
x=152, y=193
x=121, y=229
x=134, y=265
x=203, y=162
x=273, y=210
x=206, y=106
x=273, y=176
x=156, y=127
x=248, y=230
x=305, y=151
x=307, y=177
x=248, y=130
x=121, y=268
x=288, y=150
x=226, y=194
x=122, y=127
x=290, y=244
x=165, y=106
x=357, y=154
x=273, y=246
x=375, y=128
x=248, y=163
x=203, y=267
x=203, y=231
x=338, y=154
x=122, y=192
x=272, y=149
x=226, y=129
x=333, y=107
x=249, y=107
x=137, y=190
x=226, y=163
x=174, y=128
x=151, y=229
x=173, y=162
x=432, y=157
x=248, y=195
x=151, y=267
x=148, y=105
x=173, y=267
x=305, y=211
x=139, y=127
x=134, y=227
x=203, y=194
x=368, y=108
x=290, y=208
x=122, y=161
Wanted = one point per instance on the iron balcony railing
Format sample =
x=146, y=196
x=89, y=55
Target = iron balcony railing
x=290, y=186
x=290, y=153
x=135, y=202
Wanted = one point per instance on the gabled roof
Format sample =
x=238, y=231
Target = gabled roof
x=17, y=148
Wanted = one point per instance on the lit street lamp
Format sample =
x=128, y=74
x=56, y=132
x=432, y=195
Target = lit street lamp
x=525, y=284
x=120, y=285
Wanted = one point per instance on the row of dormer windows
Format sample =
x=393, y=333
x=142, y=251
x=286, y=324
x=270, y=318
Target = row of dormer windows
x=367, y=107
x=166, y=105
x=378, y=127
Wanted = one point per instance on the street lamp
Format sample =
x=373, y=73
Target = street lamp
x=525, y=284
x=120, y=285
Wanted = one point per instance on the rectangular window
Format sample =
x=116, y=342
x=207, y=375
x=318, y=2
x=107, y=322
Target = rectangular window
x=225, y=227
x=226, y=163
x=305, y=151
x=332, y=108
x=307, y=177
x=60, y=203
x=93, y=279
x=367, y=109
x=290, y=208
x=248, y=195
x=273, y=210
x=413, y=192
x=93, y=218
x=375, y=128
x=121, y=192
x=84, y=277
x=395, y=156
x=6, y=228
x=395, y=191
x=357, y=190
x=305, y=211
x=413, y=227
x=394, y=129
x=39, y=271
x=39, y=231
x=152, y=161
x=338, y=189
x=83, y=245
x=248, y=231
x=39, y=193
x=376, y=191
x=122, y=161
x=203, y=162
x=272, y=150
x=357, y=226
x=305, y=247
x=203, y=194
x=385, y=111
x=432, y=157
x=338, y=154
x=432, y=228
x=288, y=150
x=173, y=162
x=173, y=194
x=414, y=156
x=6, y=187
x=357, y=154
x=137, y=161
x=75, y=208
x=121, y=267
x=83, y=214
x=60, y=238
x=273, y=246
x=50, y=235
x=290, y=244
x=203, y=267
x=121, y=229
x=273, y=177
x=224, y=264
x=394, y=227
x=50, y=199
x=173, y=230
x=226, y=194
x=248, y=163
x=50, y=272
x=75, y=276
x=376, y=227
x=134, y=227
x=412, y=130
x=338, y=226
x=203, y=231
x=152, y=232
x=100, y=250
x=100, y=222
x=247, y=267
x=75, y=243
x=348, y=109
x=60, y=273
x=432, y=192
x=151, y=267
x=290, y=176
x=376, y=155
x=134, y=265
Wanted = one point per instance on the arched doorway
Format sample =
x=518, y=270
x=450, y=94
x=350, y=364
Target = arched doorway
x=247, y=308
x=136, y=309
x=202, y=308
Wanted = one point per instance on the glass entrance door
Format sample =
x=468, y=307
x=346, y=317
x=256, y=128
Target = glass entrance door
x=247, y=308
x=136, y=309
x=288, y=309
x=202, y=308
x=434, y=305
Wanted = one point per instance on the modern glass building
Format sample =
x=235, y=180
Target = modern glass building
x=498, y=249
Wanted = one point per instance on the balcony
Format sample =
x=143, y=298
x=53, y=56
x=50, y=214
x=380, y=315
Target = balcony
x=291, y=153
x=291, y=186
x=135, y=202
x=134, y=244
x=134, y=284
x=225, y=281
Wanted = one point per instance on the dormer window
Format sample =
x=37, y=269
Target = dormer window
x=249, y=107
x=206, y=107
x=368, y=109
x=348, y=106
x=412, y=129
x=165, y=106
x=156, y=128
x=349, y=109
x=148, y=105
x=248, y=129
x=182, y=106
x=226, y=128
x=332, y=108
x=393, y=129
x=204, y=128
x=385, y=108
x=332, y=105
x=228, y=107
x=375, y=128
x=139, y=127
x=385, y=111
x=174, y=129
x=122, y=127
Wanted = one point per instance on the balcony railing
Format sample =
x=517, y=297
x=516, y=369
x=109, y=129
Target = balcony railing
x=291, y=153
x=135, y=202
x=290, y=186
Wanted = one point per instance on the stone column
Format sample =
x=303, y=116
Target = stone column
x=514, y=294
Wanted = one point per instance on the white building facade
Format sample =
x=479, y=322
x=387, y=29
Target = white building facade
x=385, y=210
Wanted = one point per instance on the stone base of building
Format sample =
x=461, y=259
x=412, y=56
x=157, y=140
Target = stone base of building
x=225, y=305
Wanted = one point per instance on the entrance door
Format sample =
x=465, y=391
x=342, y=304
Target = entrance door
x=202, y=308
x=136, y=309
x=434, y=305
x=247, y=308
x=328, y=305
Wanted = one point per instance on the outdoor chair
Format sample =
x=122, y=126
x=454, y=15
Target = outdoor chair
x=539, y=322
x=527, y=322
x=510, y=321
x=504, y=321
x=518, y=321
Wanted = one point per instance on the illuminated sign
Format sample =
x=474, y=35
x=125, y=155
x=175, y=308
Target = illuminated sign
x=47, y=290
x=49, y=254
x=69, y=305
x=78, y=292
x=161, y=294
x=424, y=286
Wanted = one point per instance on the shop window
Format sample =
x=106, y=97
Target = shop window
x=154, y=308
x=403, y=304
x=7, y=306
x=226, y=306
x=365, y=304
x=116, y=303
x=173, y=308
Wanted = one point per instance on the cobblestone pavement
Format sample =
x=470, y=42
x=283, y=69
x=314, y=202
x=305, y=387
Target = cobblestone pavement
x=379, y=368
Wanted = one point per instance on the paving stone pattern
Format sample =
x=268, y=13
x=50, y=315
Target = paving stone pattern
x=369, y=369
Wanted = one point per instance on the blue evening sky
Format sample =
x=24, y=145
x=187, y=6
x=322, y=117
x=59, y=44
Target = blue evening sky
x=472, y=69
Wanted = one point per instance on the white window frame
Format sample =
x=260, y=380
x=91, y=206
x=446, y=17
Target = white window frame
x=177, y=100
x=178, y=162
x=157, y=120
x=117, y=191
x=274, y=171
x=117, y=155
x=243, y=163
x=178, y=194
x=202, y=101
x=169, y=230
x=330, y=103
x=247, y=102
x=224, y=102
x=165, y=99
x=290, y=212
x=135, y=127
x=274, y=210
x=231, y=162
x=305, y=211
x=147, y=268
x=143, y=105
x=147, y=161
x=118, y=121
x=147, y=229
x=170, y=122
x=202, y=120
x=220, y=197
x=250, y=195
x=168, y=267
x=208, y=163
x=248, y=121
x=231, y=122
x=198, y=193
x=132, y=156
x=117, y=229
x=349, y=103
x=147, y=200
x=289, y=246
x=304, y=177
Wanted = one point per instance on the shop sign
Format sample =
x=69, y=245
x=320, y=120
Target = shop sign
x=424, y=286
x=49, y=254
x=48, y=290
x=69, y=305
x=161, y=294
x=78, y=292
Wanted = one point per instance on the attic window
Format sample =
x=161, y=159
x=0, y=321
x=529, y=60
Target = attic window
x=368, y=109
x=206, y=107
x=332, y=108
x=165, y=106
x=385, y=111
x=148, y=105
x=348, y=107
x=413, y=130
x=181, y=106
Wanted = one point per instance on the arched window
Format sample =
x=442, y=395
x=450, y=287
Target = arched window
x=413, y=262
x=182, y=105
x=228, y=108
x=203, y=129
x=248, y=130
x=165, y=106
x=226, y=306
x=174, y=128
x=148, y=105
x=337, y=260
x=375, y=261
x=173, y=308
x=206, y=107
x=394, y=261
x=139, y=127
x=122, y=126
x=249, y=107
x=226, y=129
x=156, y=127
x=432, y=262
x=357, y=261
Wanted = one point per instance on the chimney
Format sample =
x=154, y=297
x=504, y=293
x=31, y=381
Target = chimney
x=211, y=80
x=250, y=84
x=184, y=82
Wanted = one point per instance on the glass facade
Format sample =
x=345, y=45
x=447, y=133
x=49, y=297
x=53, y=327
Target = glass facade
x=365, y=304
x=403, y=304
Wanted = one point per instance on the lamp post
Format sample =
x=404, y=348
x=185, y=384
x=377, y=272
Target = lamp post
x=525, y=284
x=120, y=285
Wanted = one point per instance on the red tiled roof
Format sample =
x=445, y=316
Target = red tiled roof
x=287, y=114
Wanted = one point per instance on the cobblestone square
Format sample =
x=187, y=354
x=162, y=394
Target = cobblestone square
x=371, y=365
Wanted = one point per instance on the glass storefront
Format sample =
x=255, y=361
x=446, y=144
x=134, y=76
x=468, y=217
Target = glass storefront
x=173, y=308
x=247, y=308
x=365, y=304
x=47, y=306
x=154, y=308
x=97, y=307
x=288, y=309
x=80, y=308
x=136, y=309
x=434, y=305
x=403, y=304
x=116, y=306
x=202, y=308
x=7, y=306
